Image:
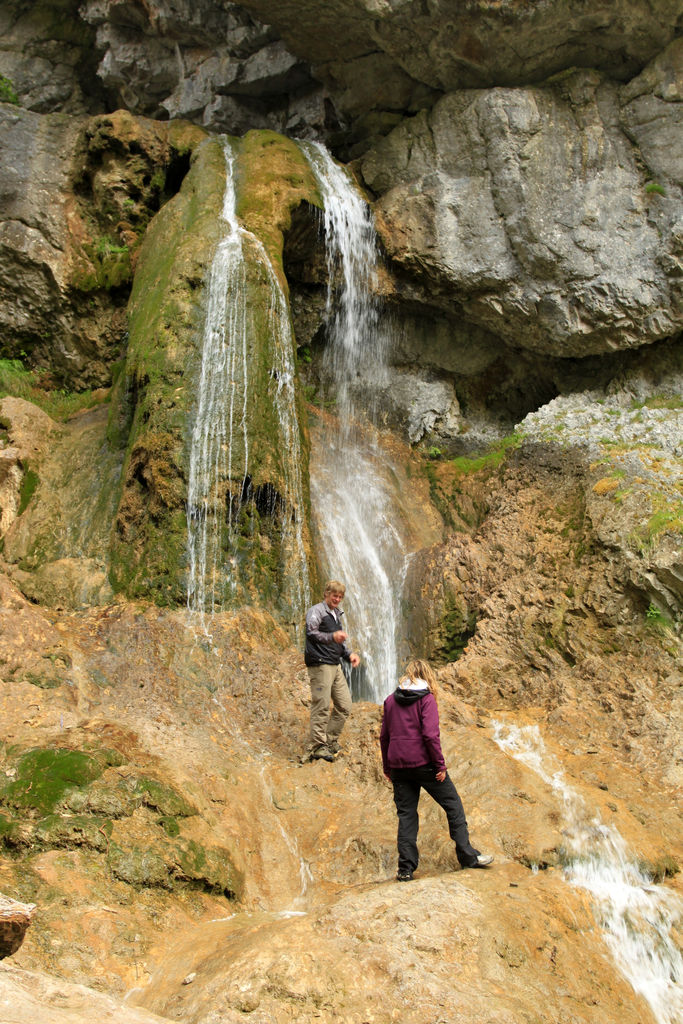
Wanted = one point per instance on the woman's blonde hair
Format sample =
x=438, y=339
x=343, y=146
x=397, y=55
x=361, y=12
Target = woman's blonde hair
x=420, y=669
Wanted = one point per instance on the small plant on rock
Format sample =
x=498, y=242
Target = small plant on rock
x=7, y=93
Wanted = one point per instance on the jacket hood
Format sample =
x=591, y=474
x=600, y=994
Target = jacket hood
x=409, y=691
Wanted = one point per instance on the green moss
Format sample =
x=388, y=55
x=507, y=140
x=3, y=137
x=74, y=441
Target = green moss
x=170, y=826
x=29, y=483
x=210, y=868
x=274, y=178
x=108, y=266
x=138, y=866
x=44, y=682
x=163, y=799
x=8, y=831
x=45, y=775
x=456, y=628
x=56, y=830
x=7, y=93
x=455, y=500
x=155, y=396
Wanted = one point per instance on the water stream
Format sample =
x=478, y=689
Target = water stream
x=351, y=488
x=220, y=438
x=637, y=918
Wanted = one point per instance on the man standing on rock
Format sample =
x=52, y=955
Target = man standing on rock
x=326, y=647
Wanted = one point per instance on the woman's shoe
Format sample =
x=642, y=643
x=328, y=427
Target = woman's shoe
x=483, y=860
x=404, y=876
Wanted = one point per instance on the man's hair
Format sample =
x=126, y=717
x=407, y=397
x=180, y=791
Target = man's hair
x=334, y=587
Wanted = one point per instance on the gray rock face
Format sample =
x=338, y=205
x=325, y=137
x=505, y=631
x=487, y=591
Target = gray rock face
x=210, y=62
x=377, y=61
x=446, y=45
x=36, y=153
x=529, y=211
x=46, y=52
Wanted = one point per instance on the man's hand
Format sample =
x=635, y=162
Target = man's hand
x=339, y=636
x=354, y=659
x=440, y=776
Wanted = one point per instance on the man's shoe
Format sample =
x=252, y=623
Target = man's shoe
x=333, y=747
x=322, y=754
x=404, y=876
x=483, y=860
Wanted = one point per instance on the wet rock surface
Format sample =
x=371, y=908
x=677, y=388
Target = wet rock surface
x=317, y=924
x=182, y=834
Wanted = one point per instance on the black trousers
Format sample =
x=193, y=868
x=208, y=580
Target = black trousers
x=407, y=784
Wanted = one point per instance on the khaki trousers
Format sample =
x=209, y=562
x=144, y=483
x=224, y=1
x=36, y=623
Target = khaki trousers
x=328, y=683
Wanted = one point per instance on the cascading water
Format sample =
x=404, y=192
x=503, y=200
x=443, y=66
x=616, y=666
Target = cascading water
x=350, y=476
x=637, y=917
x=220, y=438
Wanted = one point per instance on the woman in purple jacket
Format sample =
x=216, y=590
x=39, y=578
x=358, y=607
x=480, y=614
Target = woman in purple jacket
x=412, y=760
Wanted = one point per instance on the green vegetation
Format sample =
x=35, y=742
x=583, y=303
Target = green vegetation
x=108, y=266
x=163, y=799
x=657, y=619
x=274, y=178
x=673, y=402
x=7, y=93
x=45, y=775
x=666, y=518
x=654, y=188
x=444, y=476
x=457, y=628
x=42, y=681
x=658, y=870
x=491, y=459
x=29, y=483
x=61, y=798
x=36, y=386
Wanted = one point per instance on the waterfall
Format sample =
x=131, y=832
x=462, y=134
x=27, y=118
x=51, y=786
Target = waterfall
x=350, y=475
x=219, y=452
x=637, y=918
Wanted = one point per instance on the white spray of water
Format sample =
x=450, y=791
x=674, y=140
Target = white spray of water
x=350, y=476
x=638, y=918
x=220, y=438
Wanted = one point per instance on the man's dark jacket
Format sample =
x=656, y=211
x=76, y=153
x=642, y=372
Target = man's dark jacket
x=321, y=649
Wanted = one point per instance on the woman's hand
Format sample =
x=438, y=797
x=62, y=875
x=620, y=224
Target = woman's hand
x=440, y=776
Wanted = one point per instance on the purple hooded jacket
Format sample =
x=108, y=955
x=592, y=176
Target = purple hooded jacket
x=410, y=736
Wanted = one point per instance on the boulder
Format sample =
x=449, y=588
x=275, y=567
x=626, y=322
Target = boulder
x=15, y=918
x=33, y=997
x=508, y=206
